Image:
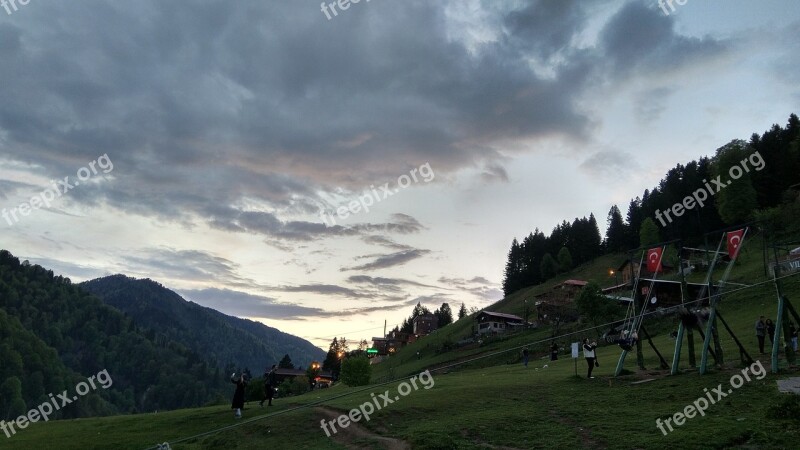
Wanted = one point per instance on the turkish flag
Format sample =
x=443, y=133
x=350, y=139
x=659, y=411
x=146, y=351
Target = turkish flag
x=654, y=259
x=734, y=242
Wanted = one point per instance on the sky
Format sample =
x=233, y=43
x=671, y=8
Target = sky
x=323, y=168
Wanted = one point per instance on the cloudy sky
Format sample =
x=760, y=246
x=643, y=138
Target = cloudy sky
x=212, y=145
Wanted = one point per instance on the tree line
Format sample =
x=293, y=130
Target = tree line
x=767, y=194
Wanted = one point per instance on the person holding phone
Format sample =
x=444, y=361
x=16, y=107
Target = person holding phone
x=588, y=353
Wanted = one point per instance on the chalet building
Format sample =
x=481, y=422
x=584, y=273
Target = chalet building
x=626, y=274
x=558, y=304
x=494, y=322
x=323, y=380
x=392, y=342
x=667, y=293
x=425, y=324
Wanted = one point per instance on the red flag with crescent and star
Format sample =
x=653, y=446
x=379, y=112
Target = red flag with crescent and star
x=734, y=242
x=654, y=259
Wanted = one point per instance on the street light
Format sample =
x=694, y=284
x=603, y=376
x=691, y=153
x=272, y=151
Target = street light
x=614, y=274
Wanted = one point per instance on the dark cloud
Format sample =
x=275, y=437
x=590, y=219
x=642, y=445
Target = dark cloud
x=267, y=224
x=327, y=289
x=641, y=40
x=204, y=107
x=8, y=187
x=247, y=305
x=256, y=306
x=185, y=265
x=390, y=260
x=241, y=114
x=609, y=165
x=546, y=27
x=382, y=282
x=651, y=103
x=385, y=242
x=479, y=287
x=494, y=173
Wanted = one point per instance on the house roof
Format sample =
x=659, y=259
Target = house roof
x=614, y=288
x=289, y=372
x=501, y=315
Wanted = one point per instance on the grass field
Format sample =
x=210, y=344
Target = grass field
x=495, y=402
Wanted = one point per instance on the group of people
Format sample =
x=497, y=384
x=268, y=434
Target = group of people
x=588, y=353
x=767, y=328
x=270, y=384
x=553, y=354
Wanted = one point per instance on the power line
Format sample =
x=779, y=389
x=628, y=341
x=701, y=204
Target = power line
x=343, y=334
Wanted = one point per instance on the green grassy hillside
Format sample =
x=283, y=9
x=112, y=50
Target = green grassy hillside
x=489, y=400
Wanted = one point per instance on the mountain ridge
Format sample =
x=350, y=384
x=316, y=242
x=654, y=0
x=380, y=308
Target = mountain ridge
x=201, y=328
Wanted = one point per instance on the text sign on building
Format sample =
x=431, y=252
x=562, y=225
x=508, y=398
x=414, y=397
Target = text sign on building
x=786, y=267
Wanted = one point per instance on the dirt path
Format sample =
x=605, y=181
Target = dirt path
x=353, y=437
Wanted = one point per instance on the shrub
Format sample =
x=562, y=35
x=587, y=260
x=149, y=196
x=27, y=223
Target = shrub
x=356, y=371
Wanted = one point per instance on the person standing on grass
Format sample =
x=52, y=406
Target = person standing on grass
x=525, y=354
x=771, y=330
x=793, y=335
x=270, y=383
x=238, y=396
x=761, y=330
x=588, y=353
x=554, y=352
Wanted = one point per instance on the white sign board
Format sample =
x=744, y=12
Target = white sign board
x=575, y=346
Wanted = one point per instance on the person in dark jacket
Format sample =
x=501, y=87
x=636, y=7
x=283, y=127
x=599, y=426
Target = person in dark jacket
x=525, y=354
x=238, y=397
x=270, y=384
x=554, y=352
x=588, y=353
x=761, y=331
x=770, y=330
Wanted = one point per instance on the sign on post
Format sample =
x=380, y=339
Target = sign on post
x=575, y=347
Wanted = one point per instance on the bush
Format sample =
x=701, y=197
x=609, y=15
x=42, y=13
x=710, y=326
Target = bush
x=300, y=385
x=285, y=388
x=356, y=371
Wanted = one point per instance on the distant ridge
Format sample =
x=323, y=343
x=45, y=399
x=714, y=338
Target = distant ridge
x=224, y=340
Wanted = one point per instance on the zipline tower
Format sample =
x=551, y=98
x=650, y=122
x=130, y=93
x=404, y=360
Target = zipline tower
x=633, y=325
x=734, y=237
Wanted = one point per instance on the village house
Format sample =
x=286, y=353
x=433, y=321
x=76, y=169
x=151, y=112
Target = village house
x=494, y=322
x=392, y=342
x=425, y=324
x=558, y=304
